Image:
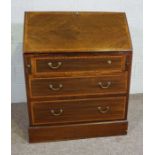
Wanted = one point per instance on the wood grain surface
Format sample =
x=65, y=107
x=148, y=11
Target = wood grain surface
x=69, y=31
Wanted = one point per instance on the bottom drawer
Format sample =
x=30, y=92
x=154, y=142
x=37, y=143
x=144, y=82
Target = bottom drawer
x=83, y=110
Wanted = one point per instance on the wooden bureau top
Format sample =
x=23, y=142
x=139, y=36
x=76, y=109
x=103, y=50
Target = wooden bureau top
x=75, y=32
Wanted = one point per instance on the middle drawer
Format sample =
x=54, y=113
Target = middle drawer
x=62, y=86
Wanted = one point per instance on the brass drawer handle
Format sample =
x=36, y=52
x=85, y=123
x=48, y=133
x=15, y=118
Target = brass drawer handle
x=105, y=85
x=109, y=62
x=55, y=89
x=103, y=110
x=56, y=113
x=50, y=64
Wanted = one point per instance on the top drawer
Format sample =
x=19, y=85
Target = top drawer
x=57, y=65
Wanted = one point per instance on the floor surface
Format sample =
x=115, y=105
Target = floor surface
x=131, y=144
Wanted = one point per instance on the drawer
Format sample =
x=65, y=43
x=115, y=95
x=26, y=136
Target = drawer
x=84, y=110
x=58, y=65
x=62, y=86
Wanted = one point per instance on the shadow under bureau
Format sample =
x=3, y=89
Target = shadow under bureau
x=77, y=71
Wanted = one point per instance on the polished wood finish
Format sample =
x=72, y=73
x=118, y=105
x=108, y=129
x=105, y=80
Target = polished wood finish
x=72, y=32
x=77, y=84
x=76, y=131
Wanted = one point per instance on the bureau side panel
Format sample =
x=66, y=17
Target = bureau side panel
x=27, y=70
x=128, y=68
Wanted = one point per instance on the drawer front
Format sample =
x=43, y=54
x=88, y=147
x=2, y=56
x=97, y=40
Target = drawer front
x=59, y=65
x=84, y=110
x=107, y=84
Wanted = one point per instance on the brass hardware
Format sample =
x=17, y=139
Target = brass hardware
x=55, y=89
x=109, y=62
x=56, y=113
x=28, y=65
x=50, y=64
x=105, y=85
x=28, y=70
x=103, y=110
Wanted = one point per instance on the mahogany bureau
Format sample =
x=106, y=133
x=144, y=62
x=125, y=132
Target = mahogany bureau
x=77, y=71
